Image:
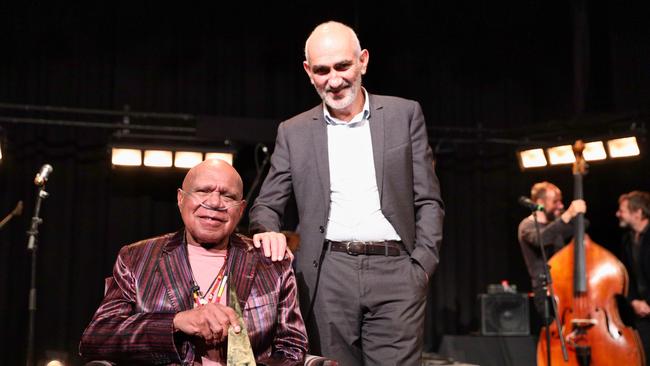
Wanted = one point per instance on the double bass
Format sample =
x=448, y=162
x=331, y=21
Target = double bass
x=586, y=279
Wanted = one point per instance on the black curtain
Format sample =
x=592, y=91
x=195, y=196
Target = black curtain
x=507, y=66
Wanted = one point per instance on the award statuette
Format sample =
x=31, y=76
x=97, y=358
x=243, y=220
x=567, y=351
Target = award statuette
x=240, y=352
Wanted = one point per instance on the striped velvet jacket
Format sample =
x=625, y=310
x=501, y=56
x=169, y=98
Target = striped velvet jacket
x=152, y=282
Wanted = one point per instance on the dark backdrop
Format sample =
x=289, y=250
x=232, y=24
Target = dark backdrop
x=491, y=77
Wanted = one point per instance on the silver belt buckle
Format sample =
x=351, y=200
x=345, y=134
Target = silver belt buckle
x=347, y=248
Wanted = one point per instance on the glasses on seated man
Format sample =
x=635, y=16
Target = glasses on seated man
x=202, y=196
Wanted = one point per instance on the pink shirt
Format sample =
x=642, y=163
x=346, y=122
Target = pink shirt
x=205, y=268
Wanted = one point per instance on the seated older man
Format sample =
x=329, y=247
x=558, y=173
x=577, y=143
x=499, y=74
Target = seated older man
x=167, y=301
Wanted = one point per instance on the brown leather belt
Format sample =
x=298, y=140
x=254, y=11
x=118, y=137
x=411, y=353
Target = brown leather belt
x=389, y=248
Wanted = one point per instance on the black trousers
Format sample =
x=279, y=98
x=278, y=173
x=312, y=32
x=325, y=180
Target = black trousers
x=369, y=310
x=643, y=327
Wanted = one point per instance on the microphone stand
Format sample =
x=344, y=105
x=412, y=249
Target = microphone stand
x=547, y=286
x=260, y=170
x=31, y=246
x=16, y=212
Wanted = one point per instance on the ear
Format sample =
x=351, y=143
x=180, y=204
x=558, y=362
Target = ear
x=305, y=65
x=364, y=58
x=179, y=197
x=242, y=209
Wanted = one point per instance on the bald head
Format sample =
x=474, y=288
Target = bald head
x=332, y=33
x=214, y=168
x=211, y=203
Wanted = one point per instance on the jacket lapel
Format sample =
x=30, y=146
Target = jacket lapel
x=377, y=135
x=319, y=141
x=176, y=273
x=241, y=268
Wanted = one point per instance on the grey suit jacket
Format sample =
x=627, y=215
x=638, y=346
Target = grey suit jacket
x=408, y=187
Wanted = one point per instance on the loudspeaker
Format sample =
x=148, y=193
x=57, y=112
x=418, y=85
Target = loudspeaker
x=504, y=313
x=489, y=351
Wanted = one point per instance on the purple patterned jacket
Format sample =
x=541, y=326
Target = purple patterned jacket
x=152, y=282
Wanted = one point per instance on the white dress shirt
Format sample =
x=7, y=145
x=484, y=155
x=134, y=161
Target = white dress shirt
x=355, y=211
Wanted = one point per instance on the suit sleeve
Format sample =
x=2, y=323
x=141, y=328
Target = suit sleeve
x=428, y=205
x=118, y=333
x=290, y=343
x=266, y=213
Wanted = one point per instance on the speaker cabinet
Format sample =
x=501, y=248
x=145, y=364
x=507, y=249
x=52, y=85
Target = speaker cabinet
x=504, y=313
x=489, y=350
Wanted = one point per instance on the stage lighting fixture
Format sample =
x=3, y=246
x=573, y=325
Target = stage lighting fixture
x=54, y=358
x=126, y=157
x=623, y=147
x=594, y=151
x=559, y=155
x=0, y=151
x=227, y=157
x=187, y=159
x=158, y=158
x=181, y=157
x=563, y=154
x=533, y=158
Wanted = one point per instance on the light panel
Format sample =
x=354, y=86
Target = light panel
x=532, y=158
x=187, y=159
x=594, y=151
x=158, y=158
x=623, y=147
x=126, y=157
x=227, y=157
x=559, y=155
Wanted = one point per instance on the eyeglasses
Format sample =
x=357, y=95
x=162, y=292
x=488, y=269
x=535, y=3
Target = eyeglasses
x=202, y=196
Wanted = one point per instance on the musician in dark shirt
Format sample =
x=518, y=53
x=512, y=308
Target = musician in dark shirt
x=555, y=228
x=634, y=214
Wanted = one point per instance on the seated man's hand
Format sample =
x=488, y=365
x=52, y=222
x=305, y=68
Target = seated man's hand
x=273, y=244
x=210, y=322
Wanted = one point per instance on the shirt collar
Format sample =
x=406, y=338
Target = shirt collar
x=356, y=120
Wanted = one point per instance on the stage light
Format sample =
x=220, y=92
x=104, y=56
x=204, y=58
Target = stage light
x=187, y=159
x=126, y=157
x=623, y=147
x=533, y=158
x=0, y=152
x=158, y=158
x=594, y=151
x=54, y=358
x=559, y=155
x=227, y=157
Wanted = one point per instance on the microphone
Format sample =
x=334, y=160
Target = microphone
x=529, y=204
x=42, y=175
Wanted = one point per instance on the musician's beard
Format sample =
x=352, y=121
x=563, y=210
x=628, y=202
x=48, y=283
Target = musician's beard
x=552, y=215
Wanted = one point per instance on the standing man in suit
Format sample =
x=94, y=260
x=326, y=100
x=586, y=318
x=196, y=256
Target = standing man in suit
x=634, y=214
x=369, y=207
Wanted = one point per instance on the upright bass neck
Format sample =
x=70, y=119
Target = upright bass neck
x=580, y=265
